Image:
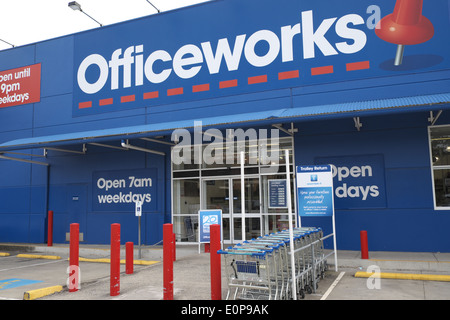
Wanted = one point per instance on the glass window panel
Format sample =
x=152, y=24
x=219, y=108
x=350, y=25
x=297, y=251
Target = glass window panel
x=252, y=202
x=442, y=187
x=186, y=196
x=252, y=228
x=217, y=195
x=186, y=228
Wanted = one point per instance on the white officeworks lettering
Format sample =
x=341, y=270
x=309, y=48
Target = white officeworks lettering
x=223, y=51
x=102, y=64
x=189, y=59
x=183, y=66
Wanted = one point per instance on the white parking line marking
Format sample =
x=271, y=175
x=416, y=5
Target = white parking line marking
x=325, y=296
x=31, y=265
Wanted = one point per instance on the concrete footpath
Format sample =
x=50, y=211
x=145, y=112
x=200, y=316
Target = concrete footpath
x=34, y=269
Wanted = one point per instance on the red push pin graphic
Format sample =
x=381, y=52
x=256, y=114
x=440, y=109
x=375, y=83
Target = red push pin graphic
x=405, y=26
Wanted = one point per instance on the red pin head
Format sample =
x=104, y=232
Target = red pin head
x=405, y=26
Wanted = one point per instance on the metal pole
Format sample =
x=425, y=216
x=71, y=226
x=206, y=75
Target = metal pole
x=291, y=231
x=154, y=6
x=101, y=25
x=242, y=194
x=399, y=55
x=139, y=237
x=7, y=43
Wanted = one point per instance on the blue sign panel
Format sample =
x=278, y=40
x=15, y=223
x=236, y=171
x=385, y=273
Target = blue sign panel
x=277, y=194
x=120, y=190
x=206, y=219
x=359, y=181
x=315, y=191
x=231, y=47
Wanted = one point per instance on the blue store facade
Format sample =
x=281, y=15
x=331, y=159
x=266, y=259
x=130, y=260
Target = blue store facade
x=90, y=123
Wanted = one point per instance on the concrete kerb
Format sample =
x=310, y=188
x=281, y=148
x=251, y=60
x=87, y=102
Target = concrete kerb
x=421, y=262
x=40, y=293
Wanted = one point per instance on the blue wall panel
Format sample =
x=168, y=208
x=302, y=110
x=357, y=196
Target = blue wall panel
x=56, y=58
x=14, y=227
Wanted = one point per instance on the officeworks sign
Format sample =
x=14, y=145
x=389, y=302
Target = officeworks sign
x=359, y=181
x=238, y=46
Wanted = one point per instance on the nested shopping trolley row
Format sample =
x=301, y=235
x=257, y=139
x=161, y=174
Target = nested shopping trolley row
x=261, y=269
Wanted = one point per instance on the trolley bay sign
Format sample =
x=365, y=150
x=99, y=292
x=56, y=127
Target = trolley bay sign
x=315, y=191
x=121, y=190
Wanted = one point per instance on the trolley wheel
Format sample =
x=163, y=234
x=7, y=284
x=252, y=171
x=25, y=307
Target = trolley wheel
x=302, y=294
x=308, y=289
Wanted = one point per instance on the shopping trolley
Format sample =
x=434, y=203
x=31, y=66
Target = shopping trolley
x=261, y=268
x=249, y=274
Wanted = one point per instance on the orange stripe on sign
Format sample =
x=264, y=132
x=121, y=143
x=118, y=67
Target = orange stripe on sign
x=289, y=75
x=200, y=87
x=106, y=102
x=84, y=105
x=151, y=95
x=257, y=79
x=174, y=91
x=130, y=98
x=358, y=65
x=322, y=70
x=228, y=84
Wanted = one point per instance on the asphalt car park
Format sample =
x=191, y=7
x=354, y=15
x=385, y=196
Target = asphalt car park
x=19, y=275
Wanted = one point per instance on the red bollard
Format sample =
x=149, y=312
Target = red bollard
x=74, y=257
x=168, y=261
x=129, y=252
x=115, y=260
x=216, y=271
x=174, y=247
x=50, y=229
x=364, y=245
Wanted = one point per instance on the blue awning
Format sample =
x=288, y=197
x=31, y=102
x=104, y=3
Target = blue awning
x=351, y=109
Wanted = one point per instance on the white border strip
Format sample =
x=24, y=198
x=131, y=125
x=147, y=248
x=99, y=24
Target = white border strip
x=325, y=296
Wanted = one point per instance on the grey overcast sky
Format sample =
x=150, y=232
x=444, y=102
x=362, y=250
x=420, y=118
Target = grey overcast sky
x=27, y=21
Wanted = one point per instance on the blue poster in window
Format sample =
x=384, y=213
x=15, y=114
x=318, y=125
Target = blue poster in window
x=206, y=219
x=315, y=191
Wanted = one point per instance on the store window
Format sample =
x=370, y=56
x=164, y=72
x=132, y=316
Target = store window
x=217, y=185
x=440, y=158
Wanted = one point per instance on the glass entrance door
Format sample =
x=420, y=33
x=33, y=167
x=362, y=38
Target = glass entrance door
x=225, y=194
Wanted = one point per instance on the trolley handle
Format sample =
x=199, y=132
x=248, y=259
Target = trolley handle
x=246, y=253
